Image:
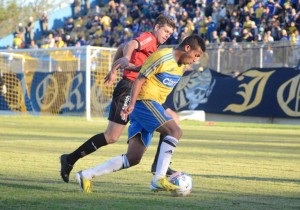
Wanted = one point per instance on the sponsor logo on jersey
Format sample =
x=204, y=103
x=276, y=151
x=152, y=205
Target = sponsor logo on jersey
x=169, y=82
x=146, y=41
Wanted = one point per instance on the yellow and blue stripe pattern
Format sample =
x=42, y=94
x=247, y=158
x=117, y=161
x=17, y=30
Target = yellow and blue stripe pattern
x=162, y=73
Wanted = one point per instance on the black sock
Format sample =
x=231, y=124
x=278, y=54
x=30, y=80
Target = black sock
x=161, y=138
x=87, y=147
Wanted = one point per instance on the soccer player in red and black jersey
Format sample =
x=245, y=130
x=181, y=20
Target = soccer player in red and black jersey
x=130, y=58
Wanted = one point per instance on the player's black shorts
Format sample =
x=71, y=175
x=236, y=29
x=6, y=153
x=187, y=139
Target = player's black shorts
x=121, y=98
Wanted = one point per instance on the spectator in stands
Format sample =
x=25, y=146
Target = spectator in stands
x=224, y=37
x=59, y=43
x=174, y=38
x=202, y=17
x=236, y=32
x=69, y=25
x=202, y=29
x=44, y=23
x=247, y=36
x=78, y=24
x=190, y=26
x=278, y=10
x=94, y=11
x=45, y=44
x=269, y=36
x=234, y=18
x=250, y=4
x=276, y=30
x=270, y=5
x=252, y=16
x=29, y=31
x=215, y=37
x=17, y=42
x=248, y=22
x=259, y=11
x=211, y=26
x=87, y=6
x=253, y=30
x=267, y=15
x=135, y=12
x=69, y=41
x=292, y=28
x=77, y=8
x=284, y=36
x=94, y=22
x=21, y=30
x=245, y=12
x=81, y=40
x=32, y=45
x=105, y=21
x=215, y=12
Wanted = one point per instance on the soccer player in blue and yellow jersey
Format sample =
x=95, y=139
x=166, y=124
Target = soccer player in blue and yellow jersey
x=158, y=76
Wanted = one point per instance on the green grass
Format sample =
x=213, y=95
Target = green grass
x=233, y=166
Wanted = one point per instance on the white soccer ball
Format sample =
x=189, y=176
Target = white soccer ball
x=184, y=181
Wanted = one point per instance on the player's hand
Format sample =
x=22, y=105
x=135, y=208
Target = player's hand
x=110, y=78
x=121, y=63
x=126, y=112
x=131, y=66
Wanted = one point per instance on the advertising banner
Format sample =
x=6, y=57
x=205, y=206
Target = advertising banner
x=264, y=92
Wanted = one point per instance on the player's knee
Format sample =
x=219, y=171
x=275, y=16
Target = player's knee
x=176, y=133
x=111, y=139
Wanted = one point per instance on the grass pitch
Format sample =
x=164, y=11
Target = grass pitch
x=233, y=166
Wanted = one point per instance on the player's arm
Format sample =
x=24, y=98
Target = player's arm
x=126, y=52
x=128, y=49
x=112, y=74
x=121, y=60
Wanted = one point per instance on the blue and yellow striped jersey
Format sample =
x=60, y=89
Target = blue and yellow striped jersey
x=162, y=73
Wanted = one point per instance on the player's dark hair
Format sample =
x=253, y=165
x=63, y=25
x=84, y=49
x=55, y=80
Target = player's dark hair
x=162, y=20
x=194, y=41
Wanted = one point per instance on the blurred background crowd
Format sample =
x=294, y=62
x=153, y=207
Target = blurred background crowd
x=111, y=23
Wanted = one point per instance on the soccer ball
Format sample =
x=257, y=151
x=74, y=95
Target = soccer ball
x=184, y=181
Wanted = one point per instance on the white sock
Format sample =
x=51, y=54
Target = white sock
x=112, y=165
x=165, y=154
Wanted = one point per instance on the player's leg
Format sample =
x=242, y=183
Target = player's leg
x=110, y=135
x=113, y=131
x=161, y=137
x=133, y=156
x=172, y=135
x=151, y=115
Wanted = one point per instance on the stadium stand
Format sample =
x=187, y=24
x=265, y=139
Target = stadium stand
x=110, y=23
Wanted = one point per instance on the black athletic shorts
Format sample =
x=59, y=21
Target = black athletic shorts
x=121, y=98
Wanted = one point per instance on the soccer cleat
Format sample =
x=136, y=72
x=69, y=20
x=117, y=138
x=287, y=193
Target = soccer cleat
x=65, y=168
x=85, y=184
x=169, y=171
x=162, y=185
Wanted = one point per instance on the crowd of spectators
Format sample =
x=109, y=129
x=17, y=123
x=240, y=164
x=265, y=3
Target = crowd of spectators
x=218, y=21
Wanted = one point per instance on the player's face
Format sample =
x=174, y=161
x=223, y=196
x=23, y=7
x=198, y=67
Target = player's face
x=190, y=56
x=163, y=33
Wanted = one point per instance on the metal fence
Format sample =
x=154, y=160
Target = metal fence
x=229, y=58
